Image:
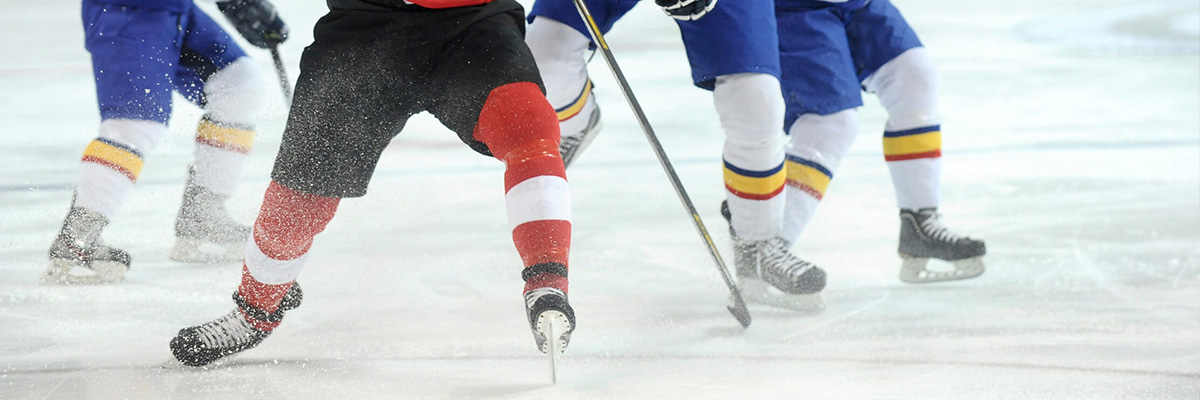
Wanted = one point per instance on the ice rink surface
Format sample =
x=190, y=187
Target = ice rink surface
x=1072, y=145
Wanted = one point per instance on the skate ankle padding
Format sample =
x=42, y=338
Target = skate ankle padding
x=551, y=275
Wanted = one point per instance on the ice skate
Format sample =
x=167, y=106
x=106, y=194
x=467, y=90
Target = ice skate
x=552, y=320
x=573, y=143
x=233, y=333
x=769, y=274
x=550, y=317
x=204, y=232
x=79, y=256
x=922, y=237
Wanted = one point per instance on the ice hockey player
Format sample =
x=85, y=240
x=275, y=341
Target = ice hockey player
x=829, y=51
x=733, y=51
x=372, y=65
x=142, y=51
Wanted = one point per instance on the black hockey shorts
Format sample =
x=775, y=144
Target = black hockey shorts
x=371, y=67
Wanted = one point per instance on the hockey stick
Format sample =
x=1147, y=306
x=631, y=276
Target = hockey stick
x=739, y=305
x=283, y=79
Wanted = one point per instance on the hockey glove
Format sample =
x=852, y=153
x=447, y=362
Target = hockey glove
x=256, y=20
x=686, y=10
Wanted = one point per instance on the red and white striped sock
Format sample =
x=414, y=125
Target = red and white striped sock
x=283, y=233
x=521, y=129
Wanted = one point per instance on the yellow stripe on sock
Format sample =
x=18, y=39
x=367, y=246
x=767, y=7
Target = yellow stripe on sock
x=122, y=160
x=574, y=108
x=913, y=146
x=807, y=178
x=756, y=188
x=239, y=140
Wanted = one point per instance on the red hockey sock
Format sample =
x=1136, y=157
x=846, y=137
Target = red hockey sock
x=283, y=233
x=521, y=129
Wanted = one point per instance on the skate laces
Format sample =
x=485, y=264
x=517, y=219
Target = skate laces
x=777, y=259
x=228, y=331
x=933, y=227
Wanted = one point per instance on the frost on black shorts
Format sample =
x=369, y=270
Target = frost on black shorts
x=371, y=67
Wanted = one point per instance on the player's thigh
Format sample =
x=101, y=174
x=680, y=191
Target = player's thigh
x=207, y=48
x=488, y=54
x=605, y=13
x=134, y=53
x=735, y=37
x=818, y=70
x=877, y=34
x=351, y=98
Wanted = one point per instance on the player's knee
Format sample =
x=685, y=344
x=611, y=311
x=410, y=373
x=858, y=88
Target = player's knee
x=234, y=94
x=750, y=107
x=823, y=139
x=907, y=83
x=289, y=219
x=514, y=116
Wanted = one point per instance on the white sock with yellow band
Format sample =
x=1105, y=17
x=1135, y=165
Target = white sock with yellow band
x=912, y=140
x=815, y=149
x=112, y=163
x=225, y=135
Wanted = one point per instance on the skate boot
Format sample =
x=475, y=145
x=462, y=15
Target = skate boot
x=79, y=256
x=769, y=274
x=922, y=236
x=573, y=143
x=551, y=319
x=233, y=333
x=204, y=232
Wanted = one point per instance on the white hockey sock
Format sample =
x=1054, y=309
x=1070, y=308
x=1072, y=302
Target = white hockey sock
x=815, y=149
x=226, y=134
x=912, y=142
x=751, y=110
x=112, y=163
x=559, y=52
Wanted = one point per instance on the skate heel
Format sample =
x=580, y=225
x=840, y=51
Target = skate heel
x=757, y=291
x=191, y=250
x=915, y=269
x=98, y=272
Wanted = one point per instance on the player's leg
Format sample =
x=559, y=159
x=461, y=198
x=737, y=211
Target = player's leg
x=822, y=94
x=559, y=41
x=505, y=113
x=133, y=54
x=217, y=75
x=342, y=117
x=734, y=51
x=900, y=71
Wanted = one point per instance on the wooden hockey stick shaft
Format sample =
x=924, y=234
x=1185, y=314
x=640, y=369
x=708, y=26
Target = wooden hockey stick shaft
x=739, y=307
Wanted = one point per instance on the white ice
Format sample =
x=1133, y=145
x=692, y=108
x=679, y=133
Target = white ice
x=1072, y=145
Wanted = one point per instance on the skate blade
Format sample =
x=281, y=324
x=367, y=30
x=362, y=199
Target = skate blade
x=62, y=272
x=553, y=325
x=757, y=291
x=188, y=250
x=915, y=270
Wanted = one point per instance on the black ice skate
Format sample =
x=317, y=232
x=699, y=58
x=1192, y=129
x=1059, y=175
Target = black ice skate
x=769, y=274
x=204, y=232
x=201, y=345
x=552, y=320
x=922, y=236
x=573, y=143
x=79, y=256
